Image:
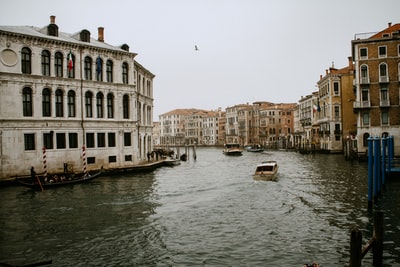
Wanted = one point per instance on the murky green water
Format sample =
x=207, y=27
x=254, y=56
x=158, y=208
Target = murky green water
x=207, y=212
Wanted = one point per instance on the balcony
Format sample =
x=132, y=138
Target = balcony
x=383, y=79
x=385, y=103
x=364, y=80
x=361, y=104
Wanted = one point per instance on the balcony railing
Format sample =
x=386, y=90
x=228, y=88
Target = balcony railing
x=383, y=79
x=361, y=104
x=385, y=103
x=364, y=80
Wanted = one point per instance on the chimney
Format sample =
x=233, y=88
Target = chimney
x=52, y=19
x=100, y=34
x=389, y=24
x=320, y=76
x=326, y=72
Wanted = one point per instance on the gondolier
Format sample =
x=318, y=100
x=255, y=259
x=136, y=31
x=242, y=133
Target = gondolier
x=33, y=175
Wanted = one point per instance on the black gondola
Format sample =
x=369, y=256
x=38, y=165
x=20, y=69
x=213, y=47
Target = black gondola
x=42, y=182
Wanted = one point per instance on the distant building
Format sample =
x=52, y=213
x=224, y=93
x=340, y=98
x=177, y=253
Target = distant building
x=61, y=93
x=377, y=77
x=335, y=118
x=306, y=130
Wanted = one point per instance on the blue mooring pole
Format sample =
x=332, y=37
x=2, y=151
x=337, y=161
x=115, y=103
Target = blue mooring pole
x=390, y=153
x=376, y=167
x=383, y=166
x=370, y=171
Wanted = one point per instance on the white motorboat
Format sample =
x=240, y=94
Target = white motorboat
x=266, y=171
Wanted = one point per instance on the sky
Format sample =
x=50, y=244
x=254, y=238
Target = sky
x=249, y=50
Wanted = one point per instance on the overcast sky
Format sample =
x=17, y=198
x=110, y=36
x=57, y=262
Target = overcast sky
x=249, y=50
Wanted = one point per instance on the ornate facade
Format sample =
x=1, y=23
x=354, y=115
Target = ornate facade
x=62, y=94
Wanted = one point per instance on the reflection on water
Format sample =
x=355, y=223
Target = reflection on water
x=208, y=212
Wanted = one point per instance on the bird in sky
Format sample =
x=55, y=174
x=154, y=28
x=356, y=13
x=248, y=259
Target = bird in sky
x=196, y=48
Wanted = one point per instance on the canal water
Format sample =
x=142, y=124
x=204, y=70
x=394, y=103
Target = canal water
x=204, y=212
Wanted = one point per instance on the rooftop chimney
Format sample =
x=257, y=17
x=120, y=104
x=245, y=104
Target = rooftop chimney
x=389, y=24
x=100, y=34
x=52, y=19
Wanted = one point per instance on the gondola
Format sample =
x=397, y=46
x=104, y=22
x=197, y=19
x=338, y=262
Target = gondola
x=42, y=182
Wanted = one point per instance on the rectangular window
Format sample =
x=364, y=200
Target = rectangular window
x=385, y=118
x=89, y=139
x=363, y=53
x=101, y=139
x=336, y=88
x=127, y=139
x=91, y=160
x=60, y=138
x=112, y=159
x=364, y=95
x=111, y=139
x=366, y=119
x=337, y=112
x=29, y=140
x=128, y=157
x=73, y=140
x=382, y=51
x=48, y=140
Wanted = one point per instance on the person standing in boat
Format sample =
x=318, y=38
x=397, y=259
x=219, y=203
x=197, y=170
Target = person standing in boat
x=33, y=175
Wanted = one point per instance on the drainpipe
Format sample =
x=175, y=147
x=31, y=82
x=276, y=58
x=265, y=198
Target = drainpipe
x=82, y=98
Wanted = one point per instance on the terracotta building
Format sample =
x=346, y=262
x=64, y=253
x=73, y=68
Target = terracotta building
x=377, y=78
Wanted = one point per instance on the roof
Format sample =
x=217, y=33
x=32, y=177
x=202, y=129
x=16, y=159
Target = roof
x=387, y=32
x=62, y=37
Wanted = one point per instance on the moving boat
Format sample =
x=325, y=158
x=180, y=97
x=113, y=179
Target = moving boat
x=57, y=180
x=254, y=148
x=266, y=170
x=170, y=161
x=232, y=149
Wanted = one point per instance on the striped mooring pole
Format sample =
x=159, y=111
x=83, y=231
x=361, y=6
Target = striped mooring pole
x=84, y=159
x=44, y=161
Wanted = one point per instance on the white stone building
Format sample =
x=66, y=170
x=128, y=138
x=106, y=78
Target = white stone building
x=60, y=93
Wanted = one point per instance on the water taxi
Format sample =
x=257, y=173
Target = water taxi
x=266, y=171
x=232, y=149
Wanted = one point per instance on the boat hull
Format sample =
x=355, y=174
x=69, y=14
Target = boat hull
x=77, y=179
x=266, y=171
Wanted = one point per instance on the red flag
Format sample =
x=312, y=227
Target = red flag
x=70, y=62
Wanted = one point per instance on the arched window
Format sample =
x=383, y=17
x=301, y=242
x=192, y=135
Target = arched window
x=125, y=106
x=383, y=76
x=58, y=64
x=26, y=60
x=125, y=69
x=27, y=102
x=88, y=68
x=110, y=105
x=71, y=65
x=59, y=103
x=99, y=104
x=364, y=74
x=46, y=102
x=109, y=71
x=88, y=104
x=71, y=103
x=99, y=69
x=45, y=63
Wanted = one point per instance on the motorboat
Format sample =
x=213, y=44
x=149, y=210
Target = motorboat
x=266, y=171
x=232, y=149
x=254, y=148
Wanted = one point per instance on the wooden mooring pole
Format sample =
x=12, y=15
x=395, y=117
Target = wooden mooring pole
x=357, y=251
x=355, y=248
x=377, y=248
